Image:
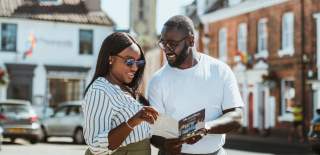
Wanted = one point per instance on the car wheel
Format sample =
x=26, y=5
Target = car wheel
x=78, y=136
x=12, y=140
x=34, y=140
x=44, y=136
x=316, y=149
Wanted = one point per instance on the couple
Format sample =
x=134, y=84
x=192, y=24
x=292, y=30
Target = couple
x=117, y=118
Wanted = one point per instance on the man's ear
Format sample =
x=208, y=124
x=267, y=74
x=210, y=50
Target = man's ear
x=110, y=60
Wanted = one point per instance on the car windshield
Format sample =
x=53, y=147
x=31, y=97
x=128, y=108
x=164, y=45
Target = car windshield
x=14, y=109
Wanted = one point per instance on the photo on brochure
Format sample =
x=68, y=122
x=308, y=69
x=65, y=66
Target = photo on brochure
x=190, y=124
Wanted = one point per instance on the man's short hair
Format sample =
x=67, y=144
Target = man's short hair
x=182, y=23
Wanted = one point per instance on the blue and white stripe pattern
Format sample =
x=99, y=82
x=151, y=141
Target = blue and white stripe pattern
x=105, y=107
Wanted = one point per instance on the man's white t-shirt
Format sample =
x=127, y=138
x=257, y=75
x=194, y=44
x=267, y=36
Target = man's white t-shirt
x=210, y=84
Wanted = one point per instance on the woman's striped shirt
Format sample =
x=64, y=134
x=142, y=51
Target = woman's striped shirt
x=105, y=107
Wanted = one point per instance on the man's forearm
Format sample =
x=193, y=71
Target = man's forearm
x=229, y=121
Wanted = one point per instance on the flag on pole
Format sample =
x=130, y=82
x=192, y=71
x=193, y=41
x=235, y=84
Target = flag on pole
x=31, y=46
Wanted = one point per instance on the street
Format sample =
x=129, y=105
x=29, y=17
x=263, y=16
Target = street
x=64, y=146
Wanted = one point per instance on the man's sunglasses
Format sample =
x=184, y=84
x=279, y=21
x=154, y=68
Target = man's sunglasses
x=130, y=61
x=170, y=45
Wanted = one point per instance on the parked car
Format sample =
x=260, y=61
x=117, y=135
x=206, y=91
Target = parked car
x=66, y=121
x=1, y=137
x=314, y=133
x=19, y=120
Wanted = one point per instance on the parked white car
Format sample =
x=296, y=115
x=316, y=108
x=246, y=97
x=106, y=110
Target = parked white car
x=19, y=120
x=66, y=121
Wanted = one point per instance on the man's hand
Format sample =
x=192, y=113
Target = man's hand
x=173, y=146
x=199, y=134
x=230, y=120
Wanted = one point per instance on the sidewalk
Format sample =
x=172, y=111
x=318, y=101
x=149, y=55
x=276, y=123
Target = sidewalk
x=269, y=144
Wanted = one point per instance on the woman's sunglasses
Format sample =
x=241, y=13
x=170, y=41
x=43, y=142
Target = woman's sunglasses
x=130, y=61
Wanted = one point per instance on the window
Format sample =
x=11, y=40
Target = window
x=62, y=112
x=287, y=95
x=234, y=2
x=86, y=42
x=74, y=111
x=62, y=90
x=262, y=38
x=317, y=35
x=287, y=34
x=223, y=44
x=48, y=0
x=316, y=95
x=9, y=37
x=316, y=98
x=242, y=37
x=141, y=6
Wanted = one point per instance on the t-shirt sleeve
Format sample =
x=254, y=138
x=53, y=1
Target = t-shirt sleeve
x=231, y=94
x=155, y=95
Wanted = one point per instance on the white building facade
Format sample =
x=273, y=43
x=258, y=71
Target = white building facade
x=50, y=61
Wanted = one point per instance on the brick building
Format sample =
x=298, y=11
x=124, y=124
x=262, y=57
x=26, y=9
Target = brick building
x=273, y=48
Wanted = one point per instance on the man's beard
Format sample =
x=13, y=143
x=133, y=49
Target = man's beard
x=181, y=57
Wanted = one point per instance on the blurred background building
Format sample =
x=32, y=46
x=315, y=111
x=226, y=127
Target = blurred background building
x=273, y=48
x=143, y=26
x=143, y=21
x=49, y=47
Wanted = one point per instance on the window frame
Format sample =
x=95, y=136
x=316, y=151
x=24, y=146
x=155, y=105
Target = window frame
x=242, y=38
x=262, y=38
x=15, y=39
x=92, y=42
x=284, y=108
x=223, y=44
x=287, y=35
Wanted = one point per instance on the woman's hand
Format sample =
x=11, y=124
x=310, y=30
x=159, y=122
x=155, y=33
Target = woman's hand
x=147, y=114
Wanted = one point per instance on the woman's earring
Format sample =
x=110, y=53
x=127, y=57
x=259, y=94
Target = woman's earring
x=192, y=43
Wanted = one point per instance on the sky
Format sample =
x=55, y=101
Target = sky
x=118, y=10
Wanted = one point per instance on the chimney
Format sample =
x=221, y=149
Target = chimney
x=93, y=5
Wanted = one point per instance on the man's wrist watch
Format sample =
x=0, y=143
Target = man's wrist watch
x=206, y=131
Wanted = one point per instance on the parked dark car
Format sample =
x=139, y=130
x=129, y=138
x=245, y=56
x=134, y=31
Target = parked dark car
x=66, y=121
x=19, y=120
x=314, y=133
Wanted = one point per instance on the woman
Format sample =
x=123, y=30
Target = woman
x=115, y=122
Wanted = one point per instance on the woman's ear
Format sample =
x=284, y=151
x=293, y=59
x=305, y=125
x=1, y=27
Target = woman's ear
x=191, y=40
x=110, y=60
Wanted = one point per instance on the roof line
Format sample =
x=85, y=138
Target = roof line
x=245, y=7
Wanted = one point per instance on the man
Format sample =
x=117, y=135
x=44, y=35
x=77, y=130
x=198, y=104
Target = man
x=297, y=124
x=192, y=81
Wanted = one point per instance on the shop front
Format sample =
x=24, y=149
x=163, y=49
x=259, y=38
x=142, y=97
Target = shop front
x=65, y=83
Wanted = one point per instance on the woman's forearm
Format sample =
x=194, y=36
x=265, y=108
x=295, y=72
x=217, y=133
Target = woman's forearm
x=120, y=133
